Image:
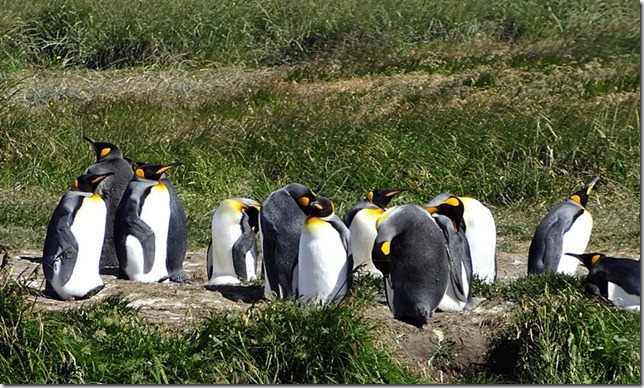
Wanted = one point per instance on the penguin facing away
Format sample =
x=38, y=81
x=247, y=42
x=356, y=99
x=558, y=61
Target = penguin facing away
x=449, y=217
x=361, y=221
x=566, y=228
x=109, y=158
x=480, y=231
x=410, y=252
x=323, y=273
x=232, y=253
x=281, y=218
x=616, y=279
x=74, y=240
x=150, y=247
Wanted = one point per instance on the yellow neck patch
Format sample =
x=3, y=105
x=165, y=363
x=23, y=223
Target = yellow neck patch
x=95, y=197
x=385, y=248
x=105, y=151
x=311, y=221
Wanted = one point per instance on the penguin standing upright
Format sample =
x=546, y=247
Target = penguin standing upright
x=361, y=221
x=449, y=217
x=74, y=239
x=109, y=158
x=616, y=279
x=566, y=228
x=480, y=231
x=323, y=272
x=410, y=252
x=281, y=218
x=149, y=244
x=232, y=253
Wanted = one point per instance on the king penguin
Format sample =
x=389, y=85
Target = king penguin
x=361, y=221
x=232, y=253
x=566, y=228
x=480, y=231
x=150, y=236
x=323, y=272
x=410, y=251
x=281, y=218
x=449, y=217
x=109, y=158
x=74, y=239
x=616, y=279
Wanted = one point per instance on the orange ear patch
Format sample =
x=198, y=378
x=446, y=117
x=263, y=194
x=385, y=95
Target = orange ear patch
x=105, y=151
x=386, y=247
x=576, y=198
x=304, y=201
x=595, y=259
x=140, y=173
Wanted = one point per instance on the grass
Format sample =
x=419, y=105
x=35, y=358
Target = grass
x=516, y=104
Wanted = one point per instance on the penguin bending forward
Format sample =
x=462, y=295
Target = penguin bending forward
x=449, y=217
x=410, y=252
x=150, y=230
x=616, y=279
x=232, y=253
x=109, y=158
x=361, y=221
x=281, y=218
x=324, y=269
x=74, y=240
x=566, y=228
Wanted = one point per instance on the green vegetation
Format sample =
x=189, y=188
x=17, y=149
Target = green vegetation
x=517, y=104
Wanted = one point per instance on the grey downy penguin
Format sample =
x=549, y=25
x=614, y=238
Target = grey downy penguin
x=480, y=231
x=410, y=252
x=109, y=158
x=232, y=253
x=361, y=221
x=324, y=270
x=74, y=240
x=281, y=218
x=616, y=279
x=566, y=228
x=150, y=229
x=449, y=217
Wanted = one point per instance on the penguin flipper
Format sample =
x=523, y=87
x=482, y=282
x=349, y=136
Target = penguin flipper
x=209, y=260
x=139, y=229
x=295, y=283
x=596, y=283
x=59, y=244
x=177, y=233
x=269, y=247
x=241, y=247
x=546, y=247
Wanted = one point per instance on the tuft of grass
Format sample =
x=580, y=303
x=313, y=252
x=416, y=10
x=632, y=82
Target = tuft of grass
x=534, y=286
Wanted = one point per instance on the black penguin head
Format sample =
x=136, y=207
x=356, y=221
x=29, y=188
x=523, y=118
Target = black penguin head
x=253, y=217
x=104, y=150
x=153, y=171
x=88, y=183
x=581, y=196
x=302, y=195
x=589, y=259
x=381, y=197
x=322, y=207
x=451, y=207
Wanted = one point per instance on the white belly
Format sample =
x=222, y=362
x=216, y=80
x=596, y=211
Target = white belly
x=621, y=298
x=156, y=214
x=322, y=265
x=481, y=237
x=224, y=235
x=575, y=241
x=450, y=302
x=89, y=230
x=363, y=234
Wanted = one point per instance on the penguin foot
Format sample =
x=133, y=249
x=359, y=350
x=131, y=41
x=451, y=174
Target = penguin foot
x=180, y=277
x=93, y=292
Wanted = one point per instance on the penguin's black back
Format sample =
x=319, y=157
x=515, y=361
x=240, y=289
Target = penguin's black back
x=623, y=272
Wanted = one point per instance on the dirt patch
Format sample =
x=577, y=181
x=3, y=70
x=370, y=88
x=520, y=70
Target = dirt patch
x=451, y=344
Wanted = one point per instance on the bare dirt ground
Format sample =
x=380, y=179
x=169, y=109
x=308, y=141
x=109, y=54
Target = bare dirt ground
x=465, y=334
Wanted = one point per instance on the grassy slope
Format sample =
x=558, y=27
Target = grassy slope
x=517, y=104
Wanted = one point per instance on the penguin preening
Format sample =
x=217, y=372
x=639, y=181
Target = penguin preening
x=361, y=221
x=109, y=158
x=281, y=218
x=74, y=240
x=480, y=231
x=616, y=279
x=566, y=228
x=449, y=217
x=410, y=252
x=323, y=272
x=150, y=229
x=232, y=253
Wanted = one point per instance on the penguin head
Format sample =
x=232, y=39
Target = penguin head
x=88, y=183
x=581, y=196
x=451, y=207
x=322, y=207
x=104, y=150
x=589, y=259
x=302, y=195
x=153, y=171
x=381, y=197
x=251, y=208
